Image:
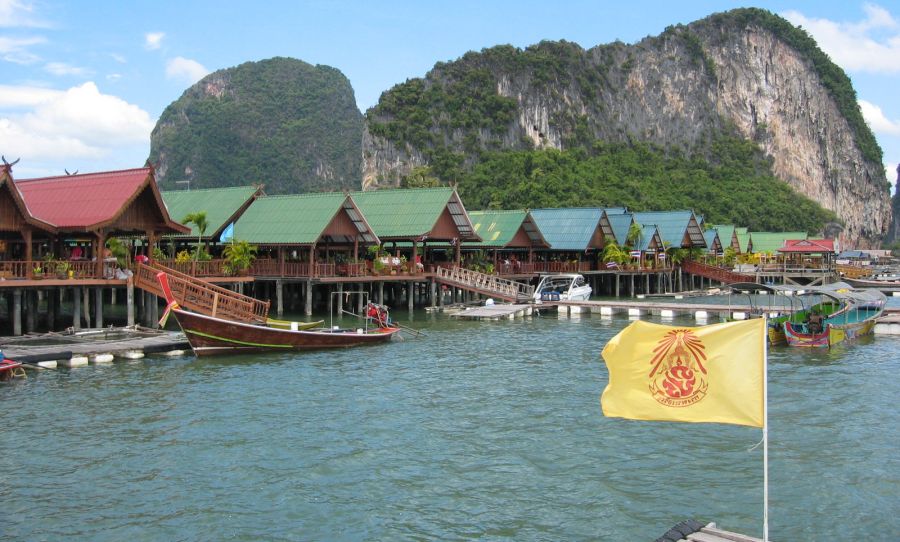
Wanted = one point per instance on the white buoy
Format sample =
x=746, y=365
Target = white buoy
x=701, y=315
x=667, y=314
x=50, y=364
x=75, y=361
x=739, y=315
x=634, y=312
x=606, y=311
x=132, y=354
x=174, y=353
x=575, y=309
x=489, y=302
x=101, y=358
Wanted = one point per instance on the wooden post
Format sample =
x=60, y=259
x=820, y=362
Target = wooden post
x=98, y=306
x=279, y=294
x=154, y=311
x=617, y=284
x=31, y=308
x=340, y=298
x=432, y=289
x=52, y=307
x=309, y=293
x=381, y=292
x=129, y=297
x=410, y=295
x=76, y=308
x=17, y=311
x=86, y=306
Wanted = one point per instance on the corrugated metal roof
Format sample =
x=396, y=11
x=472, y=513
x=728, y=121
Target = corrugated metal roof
x=82, y=201
x=649, y=239
x=220, y=204
x=411, y=213
x=568, y=228
x=808, y=246
x=7, y=183
x=673, y=226
x=299, y=219
x=620, y=225
x=713, y=243
x=727, y=235
x=496, y=228
x=764, y=241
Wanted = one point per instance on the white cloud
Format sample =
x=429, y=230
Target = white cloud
x=877, y=121
x=185, y=69
x=46, y=125
x=16, y=49
x=118, y=58
x=153, y=40
x=19, y=14
x=61, y=68
x=871, y=45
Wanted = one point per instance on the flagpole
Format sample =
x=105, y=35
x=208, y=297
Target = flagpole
x=766, y=429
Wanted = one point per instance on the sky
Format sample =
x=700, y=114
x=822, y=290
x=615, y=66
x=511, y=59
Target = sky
x=83, y=82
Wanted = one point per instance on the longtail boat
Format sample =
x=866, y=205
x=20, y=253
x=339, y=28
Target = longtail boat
x=855, y=315
x=210, y=334
x=10, y=369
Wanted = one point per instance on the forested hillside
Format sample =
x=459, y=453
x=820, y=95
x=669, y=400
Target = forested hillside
x=282, y=122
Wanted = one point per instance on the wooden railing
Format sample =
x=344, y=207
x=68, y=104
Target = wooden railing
x=200, y=296
x=715, y=273
x=81, y=269
x=490, y=284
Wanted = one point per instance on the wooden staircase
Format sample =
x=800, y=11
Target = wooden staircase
x=200, y=296
x=490, y=285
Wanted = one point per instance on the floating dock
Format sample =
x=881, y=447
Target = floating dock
x=695, y=531
x=495, y=312
x=97, y=346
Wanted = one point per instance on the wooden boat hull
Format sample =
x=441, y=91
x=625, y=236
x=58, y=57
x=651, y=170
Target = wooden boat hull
x=208, y=335
x=10, y=369
x=833, y=334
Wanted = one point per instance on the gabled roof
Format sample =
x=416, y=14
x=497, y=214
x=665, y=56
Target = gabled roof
x=91, y=201
x=570, y=228
x=743, y=239
x=500, y=229
x=727, y=236
x=303, y=219
x=649, y=239
x=415, y=213
x=764, y=241
x=677, y=228
x=808, y=246
x=222, y=206
x=618, y=226
x=713, y=243
x=7, y=185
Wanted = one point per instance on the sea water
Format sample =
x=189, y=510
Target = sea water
x=477, y=430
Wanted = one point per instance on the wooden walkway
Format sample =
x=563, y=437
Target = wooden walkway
x=481, y=283
x=74, y=350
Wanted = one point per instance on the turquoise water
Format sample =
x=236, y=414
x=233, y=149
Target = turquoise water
x=481, y=430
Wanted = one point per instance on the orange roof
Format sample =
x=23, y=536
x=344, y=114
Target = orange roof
x=90, y=200
x=811, y=246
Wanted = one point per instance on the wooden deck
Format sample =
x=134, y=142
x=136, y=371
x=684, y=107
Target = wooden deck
x=693, y=531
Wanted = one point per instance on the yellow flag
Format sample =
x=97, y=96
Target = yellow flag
x=687, y=374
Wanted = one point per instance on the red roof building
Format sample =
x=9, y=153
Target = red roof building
x=114, y=202
x=808, y=246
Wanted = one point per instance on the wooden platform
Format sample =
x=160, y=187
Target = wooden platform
x=494, y=312
x=692, y=531
x=123, y=343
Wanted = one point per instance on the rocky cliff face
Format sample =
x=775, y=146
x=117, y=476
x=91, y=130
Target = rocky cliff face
x=282, y=122
x=725, y=74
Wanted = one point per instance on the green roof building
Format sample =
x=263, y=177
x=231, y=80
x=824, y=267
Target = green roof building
x=304, y=220
x=222, y=207
x=678, y=229
x=763, y=242
x=506, y=230
x=571, y=229
x=416, y=214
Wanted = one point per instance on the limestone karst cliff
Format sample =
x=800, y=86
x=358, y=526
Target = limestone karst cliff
x=744, y=73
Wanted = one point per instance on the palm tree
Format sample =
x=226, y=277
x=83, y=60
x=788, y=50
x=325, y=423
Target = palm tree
x=635, y=235
x=198, y=219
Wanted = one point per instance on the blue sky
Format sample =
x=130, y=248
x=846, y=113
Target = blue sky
x=82, y=83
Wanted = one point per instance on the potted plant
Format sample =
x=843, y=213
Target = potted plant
x=239, y=256
x=62, y=269
x=38, y=272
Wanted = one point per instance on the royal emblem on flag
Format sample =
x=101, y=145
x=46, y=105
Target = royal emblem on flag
x=678, y=377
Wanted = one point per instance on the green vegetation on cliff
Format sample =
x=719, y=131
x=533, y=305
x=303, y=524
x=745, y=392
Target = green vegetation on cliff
x=282, y=122
x=733, y=189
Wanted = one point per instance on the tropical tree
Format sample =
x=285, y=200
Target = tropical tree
x=612, y=252
x=635, y=235
x=239, y=256
x=198, y=219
